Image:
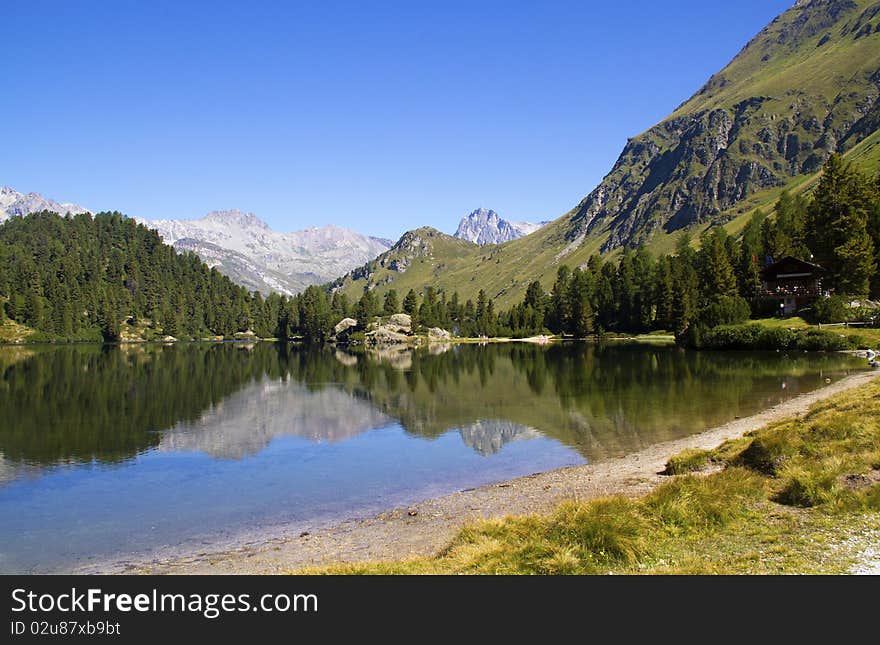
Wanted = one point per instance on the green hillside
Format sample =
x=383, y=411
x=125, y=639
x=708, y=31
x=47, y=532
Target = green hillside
x=804, y=87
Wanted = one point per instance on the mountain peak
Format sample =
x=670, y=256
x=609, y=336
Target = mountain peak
x=14, y=203
x=485, y=226
x=235, y=217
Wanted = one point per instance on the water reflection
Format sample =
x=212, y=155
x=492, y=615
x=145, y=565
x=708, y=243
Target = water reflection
x=250, y=419
x=109, y=452
x=489, y=437
x=83, y=404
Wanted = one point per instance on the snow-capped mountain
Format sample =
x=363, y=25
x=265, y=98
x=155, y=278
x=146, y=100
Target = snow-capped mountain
x=243, y=247
x=486, y=227
x=14, y=203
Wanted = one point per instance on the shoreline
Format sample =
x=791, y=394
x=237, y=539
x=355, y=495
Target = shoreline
x=426, y=527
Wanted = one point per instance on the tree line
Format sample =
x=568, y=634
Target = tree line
x=837, y=228
x=82, y=277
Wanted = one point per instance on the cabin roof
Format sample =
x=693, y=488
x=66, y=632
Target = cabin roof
x=791, y=267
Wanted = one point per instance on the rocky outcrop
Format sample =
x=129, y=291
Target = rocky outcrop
x=403, y=321
x=344, y=325
x=411, y=245
x=382, y=335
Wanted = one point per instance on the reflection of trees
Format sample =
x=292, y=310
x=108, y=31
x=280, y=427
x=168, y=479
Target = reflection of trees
x=603, y=400
x=79, y=403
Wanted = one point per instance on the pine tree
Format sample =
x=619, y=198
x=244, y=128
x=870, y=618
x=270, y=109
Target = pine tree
x=391, y=305
x=607, y=305
x=874, y=231
x=584, y=323
x=535, y=296
x=339, y=306
x=480, y=312
x=686, y=284
x=664, y=293
x=717, y=276
x=838, y=228
x=366, y=310
x=558, y=314
x=411, y=303
x=748, y=269
x=314, y=314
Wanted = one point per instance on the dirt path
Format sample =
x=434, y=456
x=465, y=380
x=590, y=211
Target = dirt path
x=424, y=528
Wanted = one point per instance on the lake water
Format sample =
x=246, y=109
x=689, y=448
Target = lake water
x=110, y=453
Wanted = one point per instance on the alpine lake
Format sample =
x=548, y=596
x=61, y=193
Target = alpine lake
x=117, y=453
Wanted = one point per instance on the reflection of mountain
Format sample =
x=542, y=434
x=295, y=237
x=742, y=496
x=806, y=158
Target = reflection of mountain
x=79, y=404
x=8, y=471
x=250, y=419
x=488, y=437
x=602, y=401
x=82, y=403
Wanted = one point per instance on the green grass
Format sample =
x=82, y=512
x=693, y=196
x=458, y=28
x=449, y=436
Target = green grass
x=869, y=334
x=794, y=497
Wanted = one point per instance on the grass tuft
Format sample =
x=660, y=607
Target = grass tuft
x=688, y=461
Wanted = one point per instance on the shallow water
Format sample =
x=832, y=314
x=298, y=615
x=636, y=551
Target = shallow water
x=116, y=452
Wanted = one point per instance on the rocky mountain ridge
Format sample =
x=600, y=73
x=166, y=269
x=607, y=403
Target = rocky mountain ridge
x=484, y=226
x=250, y=252
x=13, y=203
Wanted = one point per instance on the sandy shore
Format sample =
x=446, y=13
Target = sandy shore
x=426, y=527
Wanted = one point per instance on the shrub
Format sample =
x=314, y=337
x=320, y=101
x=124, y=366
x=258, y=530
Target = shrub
x=815, y=340
x=834, y=309
x=732, y=337
x=777, y=338
x=754, y=336
x=729, y=310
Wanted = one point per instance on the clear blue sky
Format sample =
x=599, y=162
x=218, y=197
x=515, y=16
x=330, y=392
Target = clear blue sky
x=379, y=116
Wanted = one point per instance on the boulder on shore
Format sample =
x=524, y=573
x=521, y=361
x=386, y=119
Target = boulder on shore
x=435, y=333
x=404, y=321
x=385, y=336
x=344, y=325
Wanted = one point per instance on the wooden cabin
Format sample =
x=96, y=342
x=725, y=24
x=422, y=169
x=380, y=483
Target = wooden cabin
x=792, y=284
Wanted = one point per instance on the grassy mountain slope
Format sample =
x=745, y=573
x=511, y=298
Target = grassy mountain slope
x=806, y=86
